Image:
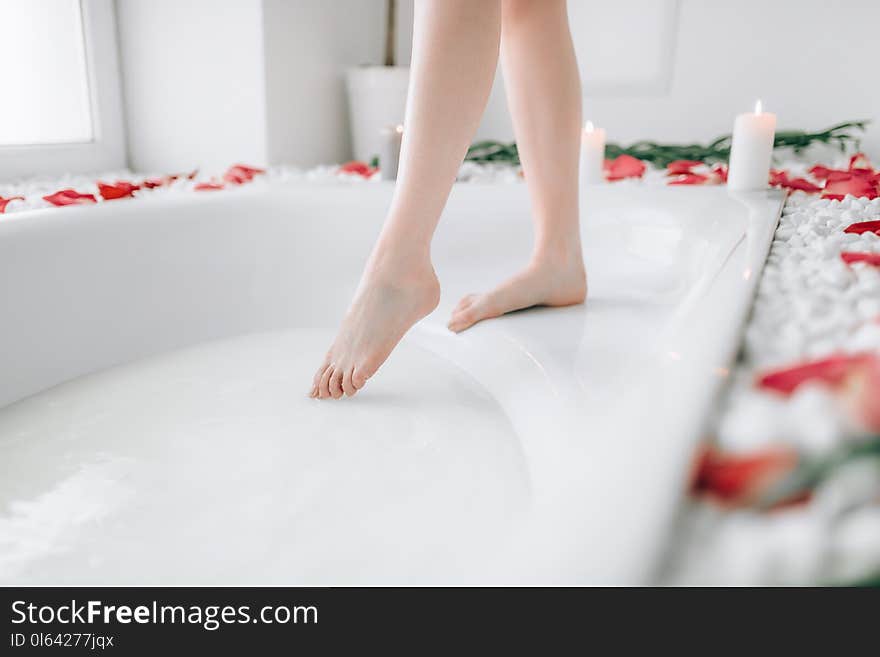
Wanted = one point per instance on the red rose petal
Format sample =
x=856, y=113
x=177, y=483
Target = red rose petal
x=802, y=184
x=357, y=168
x=624, y=166
x=860, y=161
x=854, y=185
x=689, y=179
x=721, y=172
x=190, y=176
x=850, y=257
x=5, y=201
x=778, y=177
x=863, y=227
x=207, y=187
x=820, y=172
x=239, y=174
x=679, y=167
x=152, y=183
x=119, y=189
x=836, y=176
x=741, y=479
x=831, y=371
x=69, y=197
x=253, y=171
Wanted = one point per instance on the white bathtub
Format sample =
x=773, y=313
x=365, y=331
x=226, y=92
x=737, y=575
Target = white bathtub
x=547, y=446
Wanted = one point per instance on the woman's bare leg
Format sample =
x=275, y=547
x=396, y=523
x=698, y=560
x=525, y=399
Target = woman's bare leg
x=455, y=54
x=544, y=95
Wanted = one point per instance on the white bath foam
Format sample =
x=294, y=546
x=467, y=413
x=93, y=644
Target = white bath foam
x=211, y=465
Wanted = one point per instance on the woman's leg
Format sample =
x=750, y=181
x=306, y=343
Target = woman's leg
x=455, y=54
x=544, y=95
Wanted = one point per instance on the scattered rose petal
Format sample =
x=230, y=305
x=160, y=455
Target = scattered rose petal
x=5, y=201
x=240, y=174
x=741, y=480
x=863, y=227
x=160, y=181
x=624, y=166
x=820, y=172
x=190, y=176
x=720, y=172
x=357, y=167
x=689, y=179
x=152, y=183
x=850, y=257
x=69, y=197
x=802, y=184
x=119, y=189
x=831, y=371
x=207, y=187
x=836, y=175
x=857, y=186
x=860, y=161
x=778, y=177
x=679, y=167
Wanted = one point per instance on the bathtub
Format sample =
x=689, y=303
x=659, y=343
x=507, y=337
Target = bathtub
x=155, y=357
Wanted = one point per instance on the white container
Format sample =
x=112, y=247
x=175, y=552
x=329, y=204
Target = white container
x=376, y=99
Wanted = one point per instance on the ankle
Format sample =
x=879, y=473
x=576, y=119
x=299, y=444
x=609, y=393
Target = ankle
x=398, y=259
x=560, y=256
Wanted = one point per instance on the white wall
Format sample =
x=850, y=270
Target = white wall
x=308, y=46
x=193, y=80
x=808, y=60
x=209, y=82
x=812, y=62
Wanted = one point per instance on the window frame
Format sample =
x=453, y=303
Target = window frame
x=107, y=149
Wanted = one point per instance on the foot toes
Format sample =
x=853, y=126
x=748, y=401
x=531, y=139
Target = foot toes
x=462, y=319
x=323, y=385
x=316, y=380
x=347, y=386
x=335, y=384
x=465, y=302
x=358, y=379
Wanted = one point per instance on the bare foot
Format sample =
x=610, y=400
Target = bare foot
x=384, y=308
x=542, y=283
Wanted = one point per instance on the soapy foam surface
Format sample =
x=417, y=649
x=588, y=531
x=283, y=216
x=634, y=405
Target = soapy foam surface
x=211, y=465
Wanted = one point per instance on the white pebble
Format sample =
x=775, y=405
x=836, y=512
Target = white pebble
x=813, y=420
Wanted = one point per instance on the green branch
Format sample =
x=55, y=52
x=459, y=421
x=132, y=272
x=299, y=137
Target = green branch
x=841, y=135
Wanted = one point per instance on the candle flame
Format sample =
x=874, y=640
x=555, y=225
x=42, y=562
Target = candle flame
x=758, y=106
x=399, y=129
x=588, y=127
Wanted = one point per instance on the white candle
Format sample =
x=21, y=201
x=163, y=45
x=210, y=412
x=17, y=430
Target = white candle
x=592, y=154
x=389, y=153
x=751, y=149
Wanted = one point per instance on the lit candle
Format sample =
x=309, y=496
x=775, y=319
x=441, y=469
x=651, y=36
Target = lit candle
x=592, y=154
x=389, y=155
x=751, y=149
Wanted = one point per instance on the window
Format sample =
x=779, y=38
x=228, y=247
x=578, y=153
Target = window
x=60, y=103
x=43, y=69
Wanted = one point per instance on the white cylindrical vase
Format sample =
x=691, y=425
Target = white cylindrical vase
x=376, y=99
